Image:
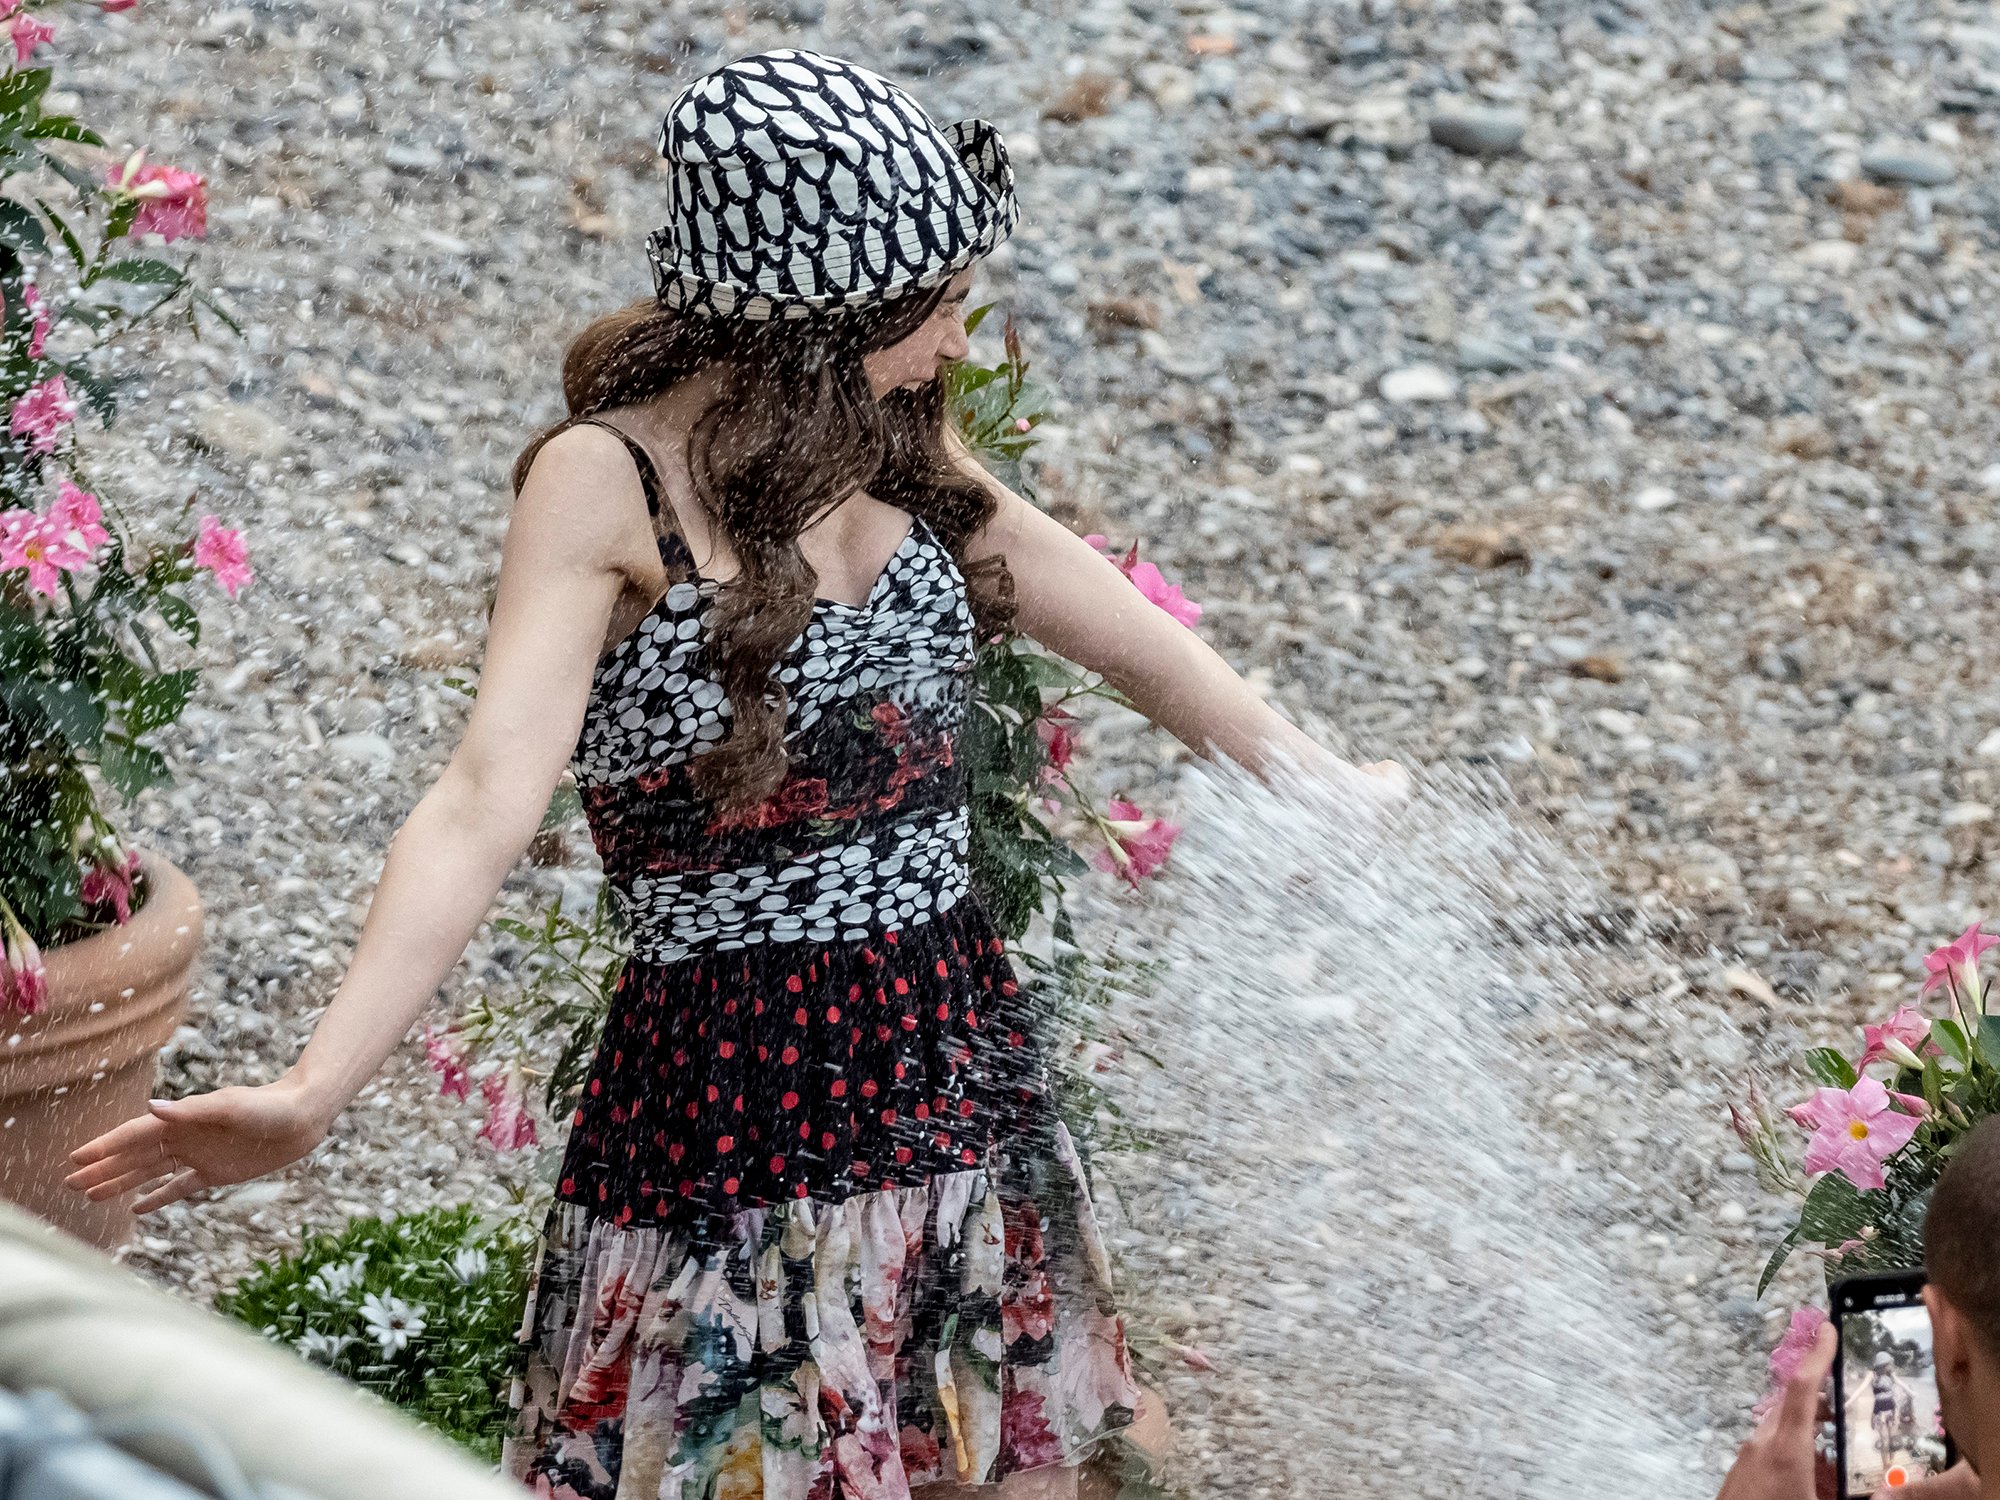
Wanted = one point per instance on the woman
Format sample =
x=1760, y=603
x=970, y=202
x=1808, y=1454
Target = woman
x=1889, y=1393
x=817, y=1230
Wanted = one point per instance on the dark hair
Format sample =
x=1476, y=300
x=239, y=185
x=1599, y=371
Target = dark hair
x=1961, y=1228
x=797, y=430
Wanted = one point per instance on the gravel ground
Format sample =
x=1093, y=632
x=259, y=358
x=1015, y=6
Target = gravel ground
x=1647, y=463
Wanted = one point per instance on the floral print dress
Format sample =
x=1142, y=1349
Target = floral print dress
x=818, y=1231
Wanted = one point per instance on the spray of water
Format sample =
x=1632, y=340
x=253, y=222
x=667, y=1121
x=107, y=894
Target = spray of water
x=1360, y=1201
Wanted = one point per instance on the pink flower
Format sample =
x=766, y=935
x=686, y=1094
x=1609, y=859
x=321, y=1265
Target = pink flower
x=1897, y=1038
x=42, y=413
x=28, y=33
x=79, y=517
x=1022, y=424
x=113, y=884
x=1149, y=581
x=1800, y=1336
x=1056, y=735
x=24, y=983
x=447, y=1060
x=223, y=552
x=111, y=6
x=39, y=337
x=1136, y=845
x=508, y=1125
x=173, y=203
x=1854, y=1132
x=39, y=544
x=1957, y=965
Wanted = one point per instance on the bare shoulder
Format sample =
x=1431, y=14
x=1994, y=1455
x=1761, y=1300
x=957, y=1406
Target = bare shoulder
x=585, y=457
x=584, y=486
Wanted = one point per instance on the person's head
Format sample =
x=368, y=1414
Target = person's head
x=1962, y=1258
x=821, y=241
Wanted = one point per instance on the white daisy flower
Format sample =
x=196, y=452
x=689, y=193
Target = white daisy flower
x=469, y=1264
x=335, y=1282
x=393, y=1321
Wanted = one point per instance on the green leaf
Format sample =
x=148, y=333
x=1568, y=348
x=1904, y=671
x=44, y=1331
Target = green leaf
x=1835, y=1211
x=131, y=768
x=70, y=242
x=977, y=316
x=20, y=228
x=63, y=128
x=1830, y=1067
x=139, y=272
x=1952, y=1042
x=180, y=617
x=1989, y=1040
x=67, y=706
x=160, y=701
x=21, y=92
x=1777, y=1261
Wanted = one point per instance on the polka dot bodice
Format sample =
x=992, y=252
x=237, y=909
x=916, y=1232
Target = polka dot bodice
x=869, y=830
x=816, y=1003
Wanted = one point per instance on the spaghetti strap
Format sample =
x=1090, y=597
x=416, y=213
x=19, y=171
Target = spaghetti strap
x=666, y=528
x=649, y=477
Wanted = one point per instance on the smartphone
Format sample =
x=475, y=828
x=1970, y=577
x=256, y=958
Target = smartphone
x=1887, y=1429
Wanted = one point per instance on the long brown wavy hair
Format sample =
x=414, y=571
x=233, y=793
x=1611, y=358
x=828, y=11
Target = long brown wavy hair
x=797, y=430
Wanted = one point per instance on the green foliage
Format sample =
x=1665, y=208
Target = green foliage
x=570, y=968
x=1830, y=1068
x=461, y=1278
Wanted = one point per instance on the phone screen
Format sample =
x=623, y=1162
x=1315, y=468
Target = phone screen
x=1892, y=1431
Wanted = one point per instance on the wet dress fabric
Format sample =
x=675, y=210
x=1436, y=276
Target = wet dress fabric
x=818, y=1231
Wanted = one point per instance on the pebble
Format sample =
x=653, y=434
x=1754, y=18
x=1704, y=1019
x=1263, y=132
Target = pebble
x=1655, y=497
x=364, y=748
x=242, y=431
x=1478, y=129
x=1419, y=383
x=1498, y=356
x=1900, y=161
x=413, y=156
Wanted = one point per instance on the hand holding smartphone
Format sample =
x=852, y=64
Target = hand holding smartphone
x=1887, y=1426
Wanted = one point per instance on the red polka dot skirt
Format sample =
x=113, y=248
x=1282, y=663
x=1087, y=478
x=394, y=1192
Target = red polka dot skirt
x=739, y=1079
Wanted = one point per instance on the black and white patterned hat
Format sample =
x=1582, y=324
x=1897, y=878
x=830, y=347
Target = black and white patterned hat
x=800, y=182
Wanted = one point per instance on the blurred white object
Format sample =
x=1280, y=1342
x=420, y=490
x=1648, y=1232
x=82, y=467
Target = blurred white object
x=190, y=1395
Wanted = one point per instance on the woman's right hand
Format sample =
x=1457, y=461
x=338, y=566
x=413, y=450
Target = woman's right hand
x=206, y=1140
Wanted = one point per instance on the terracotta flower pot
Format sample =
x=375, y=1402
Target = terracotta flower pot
x=85, y=1061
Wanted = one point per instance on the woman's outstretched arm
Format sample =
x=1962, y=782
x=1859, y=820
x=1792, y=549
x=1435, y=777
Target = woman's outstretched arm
x=569, y=551
x=1075, y=601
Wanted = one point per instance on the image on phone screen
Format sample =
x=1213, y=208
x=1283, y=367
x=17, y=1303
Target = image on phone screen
x=1894, y=1435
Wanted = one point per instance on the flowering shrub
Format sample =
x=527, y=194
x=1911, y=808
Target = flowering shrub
x=88, y=598
x=421, y=1309
x=1883, y=1123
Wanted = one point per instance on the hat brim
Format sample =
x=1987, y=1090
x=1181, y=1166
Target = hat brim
x=982, y=152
